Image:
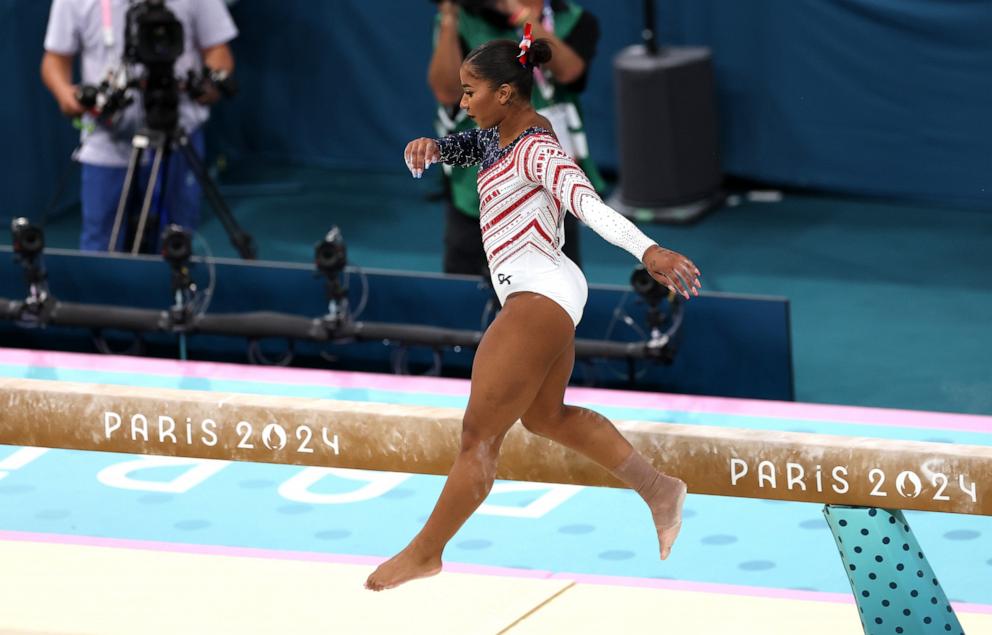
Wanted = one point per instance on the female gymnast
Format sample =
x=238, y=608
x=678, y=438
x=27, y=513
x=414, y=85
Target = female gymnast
x=525, y=358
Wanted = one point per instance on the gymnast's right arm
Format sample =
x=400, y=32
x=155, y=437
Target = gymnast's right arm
x=463, y=149
x=551, y=167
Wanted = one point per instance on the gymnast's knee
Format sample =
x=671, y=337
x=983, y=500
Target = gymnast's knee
x=478, y=439
x=545, y=423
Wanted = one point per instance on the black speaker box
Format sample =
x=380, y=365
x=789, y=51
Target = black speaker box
x=666, y=128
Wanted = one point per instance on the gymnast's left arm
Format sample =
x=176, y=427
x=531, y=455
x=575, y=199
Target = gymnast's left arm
x=551, y=167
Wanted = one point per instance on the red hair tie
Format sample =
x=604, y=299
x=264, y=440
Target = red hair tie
x=525, y=45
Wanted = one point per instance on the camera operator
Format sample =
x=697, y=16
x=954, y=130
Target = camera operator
x=94, y=30
x=462, y=26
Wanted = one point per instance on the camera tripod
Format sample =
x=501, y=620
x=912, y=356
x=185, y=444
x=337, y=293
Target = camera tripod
x=164, y=143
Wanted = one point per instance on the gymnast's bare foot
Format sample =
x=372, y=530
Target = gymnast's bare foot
x=407, y=565
x=666, y=510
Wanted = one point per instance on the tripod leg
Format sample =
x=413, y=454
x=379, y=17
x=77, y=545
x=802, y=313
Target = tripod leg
x=147, y=204
x=241, y=240
x=126, y=193
x=159, y=218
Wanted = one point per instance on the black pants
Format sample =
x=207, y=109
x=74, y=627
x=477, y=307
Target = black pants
x=463, y=252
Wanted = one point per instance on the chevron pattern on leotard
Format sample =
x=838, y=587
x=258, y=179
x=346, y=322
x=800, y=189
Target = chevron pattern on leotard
x=516, y=214
x=524, y=191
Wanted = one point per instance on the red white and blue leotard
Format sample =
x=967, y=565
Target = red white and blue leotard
x=525, y=190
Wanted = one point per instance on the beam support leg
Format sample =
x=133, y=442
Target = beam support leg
x=896, y=590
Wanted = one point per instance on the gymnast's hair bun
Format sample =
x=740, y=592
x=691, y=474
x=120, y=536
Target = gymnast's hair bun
x=539, y=53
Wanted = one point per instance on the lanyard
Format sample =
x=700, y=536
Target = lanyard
x=108, y=24
x=543, y=84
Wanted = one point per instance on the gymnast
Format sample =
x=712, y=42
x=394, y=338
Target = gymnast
x=525, y=359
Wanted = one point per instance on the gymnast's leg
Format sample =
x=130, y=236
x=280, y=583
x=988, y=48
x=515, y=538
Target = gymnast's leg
x=510, y=366
x=593, y=435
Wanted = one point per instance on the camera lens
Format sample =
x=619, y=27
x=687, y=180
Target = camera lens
x=642, y=281
x=646, y=286
x=177, y=246
x=28, y=239
x=330, y=254
x=87, y=96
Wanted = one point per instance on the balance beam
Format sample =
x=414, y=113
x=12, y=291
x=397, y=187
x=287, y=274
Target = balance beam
x=828, y=469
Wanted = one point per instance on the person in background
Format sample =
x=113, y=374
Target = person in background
x=93, y=30
x=573, y=34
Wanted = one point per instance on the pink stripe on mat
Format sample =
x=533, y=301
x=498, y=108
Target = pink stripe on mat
x=459, y=387
x=581, y=578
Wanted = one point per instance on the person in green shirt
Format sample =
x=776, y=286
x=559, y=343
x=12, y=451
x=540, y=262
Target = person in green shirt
x=573, y=34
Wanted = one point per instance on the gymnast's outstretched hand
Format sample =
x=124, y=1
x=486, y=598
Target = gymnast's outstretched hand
x=673, y=270
x=420, y=154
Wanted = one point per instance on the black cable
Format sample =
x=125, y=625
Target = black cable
x=259, y=358
x=136, y=347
